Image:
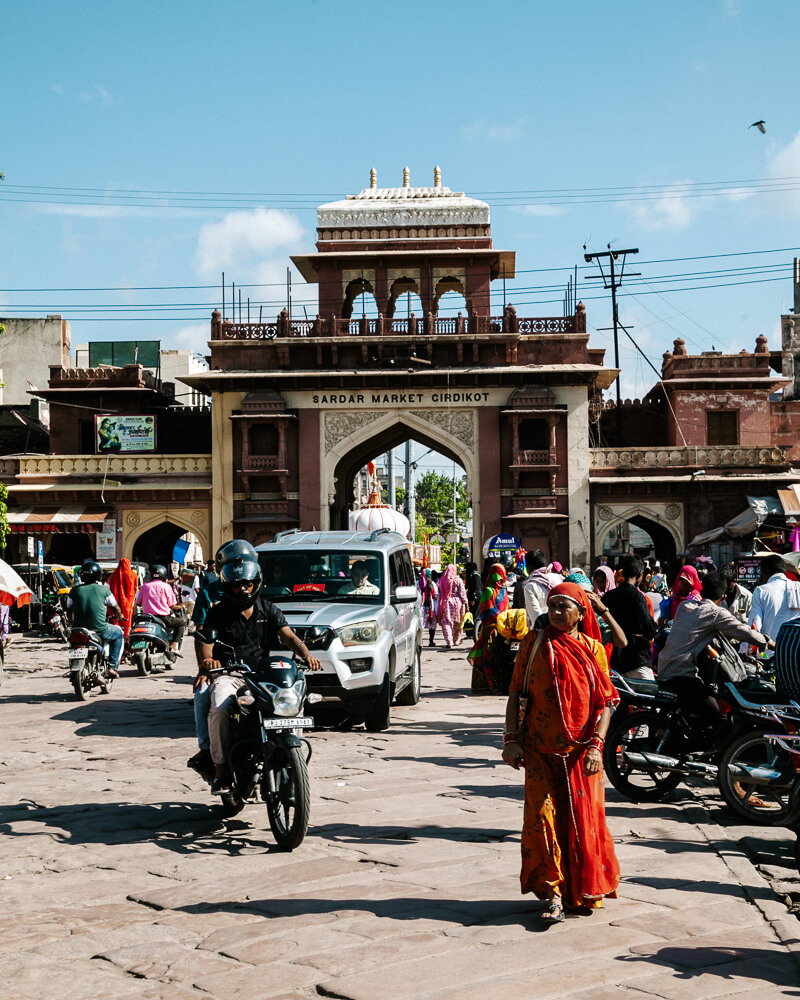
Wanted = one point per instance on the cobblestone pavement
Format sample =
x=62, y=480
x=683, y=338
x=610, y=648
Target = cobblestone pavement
x=118, y=881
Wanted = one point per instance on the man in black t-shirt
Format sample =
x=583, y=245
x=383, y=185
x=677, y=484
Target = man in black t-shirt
x=629, y=607
x=252, y=627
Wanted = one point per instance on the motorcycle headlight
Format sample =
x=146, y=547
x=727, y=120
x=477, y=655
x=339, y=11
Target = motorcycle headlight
x=288, y=701
x=359, y=633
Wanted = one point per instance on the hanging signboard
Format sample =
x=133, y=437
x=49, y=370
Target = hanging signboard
x=498, y=544
x=748, y=569
x=41, y=556
x=106, y=545
x=117, y=433
x=31, y=546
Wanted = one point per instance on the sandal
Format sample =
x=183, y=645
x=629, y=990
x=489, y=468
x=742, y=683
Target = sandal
x=553, y=913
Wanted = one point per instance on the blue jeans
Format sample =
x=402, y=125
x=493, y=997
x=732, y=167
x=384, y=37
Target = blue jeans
x=202, y=703
x=115, y=638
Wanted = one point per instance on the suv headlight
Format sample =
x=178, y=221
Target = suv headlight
x=288, y=701
x=360, y=633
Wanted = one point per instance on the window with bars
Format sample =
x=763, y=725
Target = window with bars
x=722, y=427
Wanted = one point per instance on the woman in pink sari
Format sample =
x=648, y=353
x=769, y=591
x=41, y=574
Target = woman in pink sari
x=452, y=606
x=687, y=584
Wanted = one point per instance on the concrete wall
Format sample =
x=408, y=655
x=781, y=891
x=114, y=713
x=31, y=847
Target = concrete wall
x=176, y=364
x=691, y=407
x=27, y=349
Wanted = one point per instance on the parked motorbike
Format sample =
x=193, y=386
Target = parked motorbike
x=267, y=760
x=791, y=745
x=653, y=744
x=89, y=663
x=55, y=620
x=149, y=642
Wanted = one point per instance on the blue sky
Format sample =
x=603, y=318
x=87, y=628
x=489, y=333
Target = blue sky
x=276, y=107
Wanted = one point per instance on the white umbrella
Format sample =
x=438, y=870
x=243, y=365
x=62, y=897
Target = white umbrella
x=13, y=589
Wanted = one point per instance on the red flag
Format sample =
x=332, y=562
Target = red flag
x=425, y=553
x=371, y=469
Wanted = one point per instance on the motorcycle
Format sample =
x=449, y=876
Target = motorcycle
x=149, y=642
x=55, y=620
x=89, y=663
x=267, y=760
x=652, y=744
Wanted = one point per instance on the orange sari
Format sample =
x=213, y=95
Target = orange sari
x=567, y=849
x=123, y=584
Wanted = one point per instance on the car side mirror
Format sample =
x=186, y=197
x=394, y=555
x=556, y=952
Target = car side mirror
x=404, y=595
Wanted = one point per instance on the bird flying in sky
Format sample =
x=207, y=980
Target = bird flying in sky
x=759, y=125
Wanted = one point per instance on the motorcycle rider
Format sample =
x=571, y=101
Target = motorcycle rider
x=156, y=597
x=695, y=625
x=253, y=627
x=89, y=606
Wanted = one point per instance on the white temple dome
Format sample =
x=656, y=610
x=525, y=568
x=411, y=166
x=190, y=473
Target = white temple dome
x=373, y=518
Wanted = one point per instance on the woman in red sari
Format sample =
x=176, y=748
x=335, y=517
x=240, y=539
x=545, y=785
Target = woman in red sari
x=123, y=584
x=568, y=856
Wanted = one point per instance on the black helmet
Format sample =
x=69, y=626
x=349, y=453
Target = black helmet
x=91, y=572
x=238, y=548
x=158, y=572
x=234, y=571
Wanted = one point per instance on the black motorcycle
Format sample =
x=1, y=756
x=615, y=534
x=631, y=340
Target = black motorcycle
x=267, y=760
x=89, y=663
x=149, y=643
x=55, y=621
x=653, y=744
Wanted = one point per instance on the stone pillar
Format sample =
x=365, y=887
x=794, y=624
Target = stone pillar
x=577, y=463
x=222, y=406
x=309, y=461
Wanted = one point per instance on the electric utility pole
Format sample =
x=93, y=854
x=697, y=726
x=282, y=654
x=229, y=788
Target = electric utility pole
x=612, y=281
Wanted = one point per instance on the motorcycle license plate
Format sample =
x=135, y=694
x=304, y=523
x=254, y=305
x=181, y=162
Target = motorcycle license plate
x=301, y=723
x=78, y=654
x=138, y=645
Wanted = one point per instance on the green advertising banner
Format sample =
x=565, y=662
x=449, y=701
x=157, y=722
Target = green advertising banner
x=120, y=433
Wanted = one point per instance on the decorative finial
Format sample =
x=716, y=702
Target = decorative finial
x=437, y=177
x=373, y=178
x=406, y=177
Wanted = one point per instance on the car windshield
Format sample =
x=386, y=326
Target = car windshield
x=322, y=575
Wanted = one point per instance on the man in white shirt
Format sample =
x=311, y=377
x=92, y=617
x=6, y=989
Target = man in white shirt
x=777, y=600
x=359, y=575
x=538, y=585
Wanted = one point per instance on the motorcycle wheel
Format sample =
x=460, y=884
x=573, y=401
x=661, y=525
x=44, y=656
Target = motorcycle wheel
x=232, y=804
x=140, y=662
x=62, y=633
x=288, y=807
x=106, y=681
x=77, y=684
x=636, y=732
x=755, y=749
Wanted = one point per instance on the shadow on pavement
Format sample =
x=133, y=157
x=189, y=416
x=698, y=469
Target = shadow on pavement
x=358, y=834
x=690, y=963
x=170, y=718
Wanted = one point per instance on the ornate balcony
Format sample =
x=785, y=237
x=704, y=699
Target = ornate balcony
x=700, y=457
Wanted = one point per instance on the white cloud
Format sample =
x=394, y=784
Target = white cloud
x=733, y=8
x=785, y=163
x=193, y=337
x=486, y=131
x=97, y=93
x=670, y=211
x=119, y=211
x=58, y=88
x=540, y=210
x=251, y=244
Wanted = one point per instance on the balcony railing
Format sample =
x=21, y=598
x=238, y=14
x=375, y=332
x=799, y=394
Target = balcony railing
x=523, y=504
x=383, y=326
x=115, y=466
x=701, y=457
x=263, y=463
x=539, y=457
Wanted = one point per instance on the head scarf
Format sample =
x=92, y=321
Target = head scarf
x=123, y=584
x=446, y=582
x=556, y=567
x=608, y=573
x=577, y=594
x=579, y=577
x=688, y=573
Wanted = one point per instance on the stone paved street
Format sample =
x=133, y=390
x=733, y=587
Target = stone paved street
x=118, y=880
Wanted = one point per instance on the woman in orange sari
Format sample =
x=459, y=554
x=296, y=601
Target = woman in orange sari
x=568, y=856
x=123, y=584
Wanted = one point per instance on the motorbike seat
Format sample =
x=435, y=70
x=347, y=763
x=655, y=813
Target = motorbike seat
x=643, y=686
x=145, y=617
x=93, y=637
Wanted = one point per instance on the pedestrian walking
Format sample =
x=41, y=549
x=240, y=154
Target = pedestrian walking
x=561, y=682
x=430, y=603
x=474, y=586
x=452, y=606
x=123, y=584
x=630, y=608
x=603, y=580
x=777, y=600
x=687, y=584
x=494, y=600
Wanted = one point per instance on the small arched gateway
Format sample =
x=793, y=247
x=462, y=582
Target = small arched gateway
x=504, y=396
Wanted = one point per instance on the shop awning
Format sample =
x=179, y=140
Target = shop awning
x=56, y=520
x=750, y=520
x=790, y=500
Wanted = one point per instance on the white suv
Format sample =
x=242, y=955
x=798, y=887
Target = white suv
x=352, y=597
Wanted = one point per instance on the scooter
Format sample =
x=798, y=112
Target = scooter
x=267, y=759
x=89, y=663
x=149, y=644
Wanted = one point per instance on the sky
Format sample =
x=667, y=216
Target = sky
x=149, y=147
